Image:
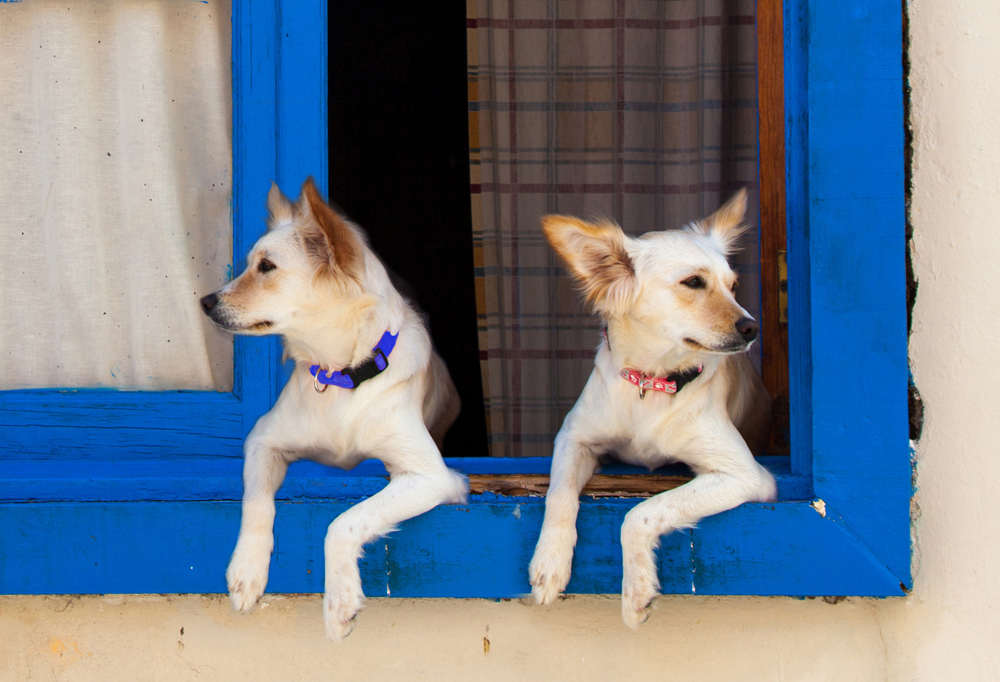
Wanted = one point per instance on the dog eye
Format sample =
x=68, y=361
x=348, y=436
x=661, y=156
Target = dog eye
x=734, y=287
x=695, y=282
x=266, y=266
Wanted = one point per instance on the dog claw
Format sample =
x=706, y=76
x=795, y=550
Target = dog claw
x=543, y=593
x=243, y=598
x=634, y=620
x=245, y=593
x=546, y=590
x=246, y=579
x=339, y=614
x=338, y=632
x=549, y=575
x=634, y=615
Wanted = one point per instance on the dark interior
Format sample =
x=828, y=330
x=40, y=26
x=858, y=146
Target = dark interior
x=399, y=167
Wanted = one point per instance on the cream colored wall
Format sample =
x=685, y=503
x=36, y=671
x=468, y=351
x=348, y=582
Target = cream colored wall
x=947, y=629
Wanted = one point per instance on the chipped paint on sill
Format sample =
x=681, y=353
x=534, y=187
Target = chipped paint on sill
x=819, y=506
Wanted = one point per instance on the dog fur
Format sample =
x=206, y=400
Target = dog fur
x=313, y=279
x=668, y=301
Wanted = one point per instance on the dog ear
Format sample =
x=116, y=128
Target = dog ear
x=281, y=210
x=596, y=255
x=331, y=239
x=726, y=226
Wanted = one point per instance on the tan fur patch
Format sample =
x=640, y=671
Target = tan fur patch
x=719, y=313
x=246, y=289
x=726, y=225
x=281, y=210
x=595, y=254
x=730, y=215
x=711, y=307
x=242, y=290
x=340, y=239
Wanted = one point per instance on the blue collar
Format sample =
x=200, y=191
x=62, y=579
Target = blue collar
x=352, y=377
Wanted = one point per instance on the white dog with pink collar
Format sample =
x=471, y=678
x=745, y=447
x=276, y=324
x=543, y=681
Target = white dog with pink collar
x=674, y=328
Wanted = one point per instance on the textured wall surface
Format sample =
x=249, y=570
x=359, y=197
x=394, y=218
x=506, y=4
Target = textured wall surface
x=701, y=638
x=946, y=630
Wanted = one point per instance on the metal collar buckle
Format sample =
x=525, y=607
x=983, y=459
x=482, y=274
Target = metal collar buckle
x=317, y=385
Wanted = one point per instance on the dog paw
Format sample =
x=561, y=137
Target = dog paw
x=637, y=597
x=247, y=575
x=246, y=587
x=640, y=584
x=339, y=611
x=549, y=573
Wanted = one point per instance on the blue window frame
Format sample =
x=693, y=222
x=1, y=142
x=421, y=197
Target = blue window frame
x=152, y=504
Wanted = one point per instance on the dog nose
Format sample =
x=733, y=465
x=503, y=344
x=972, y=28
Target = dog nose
x=208, y=302
x=747, y=328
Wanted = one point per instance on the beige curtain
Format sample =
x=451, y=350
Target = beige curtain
x=643, y=111
x=115, y=204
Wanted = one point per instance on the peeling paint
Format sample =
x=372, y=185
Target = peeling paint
x=388, y=573
x=819, y=506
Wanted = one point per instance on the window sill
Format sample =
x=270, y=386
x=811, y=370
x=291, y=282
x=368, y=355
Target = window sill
x=155, y=527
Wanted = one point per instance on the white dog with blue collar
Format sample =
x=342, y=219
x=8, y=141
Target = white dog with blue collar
x=367, y=384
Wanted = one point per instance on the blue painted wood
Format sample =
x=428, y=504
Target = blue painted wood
x=819, y=555
x=302, y=116
x=476, y=550
x=302, y=123
x=441, y=554
x=856, y=242
x=105, y=424
x=157, y=547
x=191, y=478
x=297, y=563
x=797, y=231
x=256, y=78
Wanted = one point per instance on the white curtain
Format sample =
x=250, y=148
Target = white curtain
x=115, y=201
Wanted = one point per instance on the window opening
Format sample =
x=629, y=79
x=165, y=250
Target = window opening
x=395, y=167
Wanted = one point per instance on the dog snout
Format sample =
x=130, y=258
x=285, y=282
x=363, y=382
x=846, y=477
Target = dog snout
x=747, y=328
x=208, y=302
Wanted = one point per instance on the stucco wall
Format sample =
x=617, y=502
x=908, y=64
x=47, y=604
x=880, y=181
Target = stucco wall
x=946, y=630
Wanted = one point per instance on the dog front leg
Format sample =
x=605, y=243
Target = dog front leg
x=572, y=466
x=406, y=496
x=709, y=493
x=264, y=469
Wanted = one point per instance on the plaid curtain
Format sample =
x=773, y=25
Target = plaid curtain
x=643, y=111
